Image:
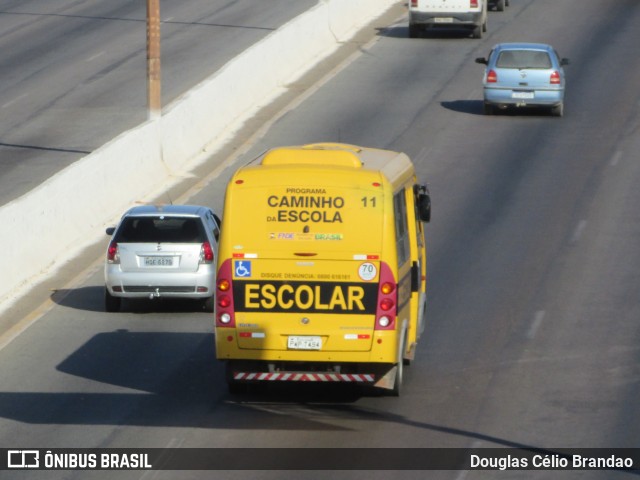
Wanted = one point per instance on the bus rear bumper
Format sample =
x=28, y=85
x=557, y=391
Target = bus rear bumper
x=376, y=375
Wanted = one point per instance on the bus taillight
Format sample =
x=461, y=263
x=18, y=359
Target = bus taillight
x=386, y=309
x=224, y=297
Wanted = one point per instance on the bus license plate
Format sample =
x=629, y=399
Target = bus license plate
x=304, y=343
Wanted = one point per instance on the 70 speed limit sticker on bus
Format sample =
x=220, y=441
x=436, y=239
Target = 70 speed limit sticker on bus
x=367, y=271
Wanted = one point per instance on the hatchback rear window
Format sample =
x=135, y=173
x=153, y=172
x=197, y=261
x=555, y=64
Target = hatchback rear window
x=163, y=229
x=523, y=59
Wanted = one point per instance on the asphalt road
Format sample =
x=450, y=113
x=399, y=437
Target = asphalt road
x=73, y=72
x=532, y=334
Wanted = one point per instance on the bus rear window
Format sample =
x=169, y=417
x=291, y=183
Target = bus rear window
x=330, y=219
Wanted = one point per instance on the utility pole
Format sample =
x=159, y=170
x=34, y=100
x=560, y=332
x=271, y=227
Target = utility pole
x=153, y=59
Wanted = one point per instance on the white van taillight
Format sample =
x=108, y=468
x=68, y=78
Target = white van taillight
x=113, y=254
x=414, y=3
x=473, y=3
x=206, y=253
x=225, y=315
x=492, y=76
x=386, y=309
x=555, y=78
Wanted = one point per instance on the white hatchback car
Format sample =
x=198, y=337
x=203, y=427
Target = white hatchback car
x=162, y=251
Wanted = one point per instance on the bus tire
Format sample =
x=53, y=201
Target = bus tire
x=237, y=388
x=397, y=383
x=233, y=386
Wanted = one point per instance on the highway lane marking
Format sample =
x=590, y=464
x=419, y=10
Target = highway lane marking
x=463, y=473
x=577, y=233
x=21, y=326
x=423, y=154
x=616, y=158
x=473, y=95
x=173, y=443
x=93, y=57
x=535, y=325
x=17, y=99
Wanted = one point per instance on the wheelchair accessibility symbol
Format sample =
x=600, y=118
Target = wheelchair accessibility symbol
x=242, y=268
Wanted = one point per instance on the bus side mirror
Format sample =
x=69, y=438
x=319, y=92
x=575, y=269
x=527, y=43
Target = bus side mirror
x=424, y=207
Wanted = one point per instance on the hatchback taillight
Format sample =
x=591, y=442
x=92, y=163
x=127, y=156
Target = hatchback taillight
x=473, y=3
x=555, y=78
x=113, y=254
x=414, y=3
x=492, y=76
x=206, y=253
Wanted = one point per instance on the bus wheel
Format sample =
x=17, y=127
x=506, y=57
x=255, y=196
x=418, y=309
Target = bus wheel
x=397, y=384
x=234, y=386
x=237, y=388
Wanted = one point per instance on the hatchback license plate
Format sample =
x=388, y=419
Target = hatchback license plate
x=304, y=343
x=443, y=20
x=158, y=261
x=522, y=95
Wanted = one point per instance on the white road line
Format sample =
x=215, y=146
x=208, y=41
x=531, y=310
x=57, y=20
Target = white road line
x=151, y=474
x=16, y=330
x=535, y=325
x=577, y=233
x=423, y=154
x=11, y=102
x=474, y=95
x=616, y=158
x=463, y=473
x=93, y=57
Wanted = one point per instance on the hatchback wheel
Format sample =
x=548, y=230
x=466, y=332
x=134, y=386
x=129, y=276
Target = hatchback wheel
x=477, y=31
x=208, y=304
x=558, y=110
x=111, y=303
x=414, y=30
x=500, y=4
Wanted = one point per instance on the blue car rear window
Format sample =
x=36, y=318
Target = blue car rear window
x=523, y=59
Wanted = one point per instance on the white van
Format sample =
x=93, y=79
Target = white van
x=471, y=14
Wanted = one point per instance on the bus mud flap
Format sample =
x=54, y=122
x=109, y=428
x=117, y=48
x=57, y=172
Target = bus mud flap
x=388, y=379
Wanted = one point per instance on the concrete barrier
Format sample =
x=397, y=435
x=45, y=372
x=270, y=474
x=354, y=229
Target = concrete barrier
x=50, y=225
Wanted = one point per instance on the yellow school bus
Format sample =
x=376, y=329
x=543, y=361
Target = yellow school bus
x=322, y=267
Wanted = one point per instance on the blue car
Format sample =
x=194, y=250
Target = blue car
x=523, y=75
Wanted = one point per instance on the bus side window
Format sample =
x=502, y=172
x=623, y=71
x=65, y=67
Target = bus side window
x=402, y=230
x=423, y=202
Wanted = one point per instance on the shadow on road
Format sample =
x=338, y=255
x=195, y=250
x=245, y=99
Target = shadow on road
x=91, y=299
